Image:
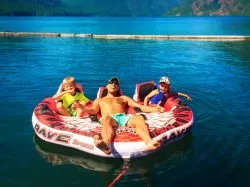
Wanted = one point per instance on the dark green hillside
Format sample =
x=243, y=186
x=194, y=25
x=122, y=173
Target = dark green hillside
x=124, y=7
x=212, y=8
x=31, y=7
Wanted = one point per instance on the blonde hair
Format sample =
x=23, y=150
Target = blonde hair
x=68, y=80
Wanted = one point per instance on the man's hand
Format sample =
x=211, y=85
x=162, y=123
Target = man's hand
x=159, y=108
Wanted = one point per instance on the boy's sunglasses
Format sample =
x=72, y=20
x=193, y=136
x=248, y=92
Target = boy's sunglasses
x=113, y=82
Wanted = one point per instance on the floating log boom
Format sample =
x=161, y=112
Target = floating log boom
x=128, y=37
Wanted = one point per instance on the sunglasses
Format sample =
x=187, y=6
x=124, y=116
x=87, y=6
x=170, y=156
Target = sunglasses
x=114, y=82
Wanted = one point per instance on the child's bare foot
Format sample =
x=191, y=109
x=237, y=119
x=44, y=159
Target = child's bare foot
x=100, y=144
x=152, y=145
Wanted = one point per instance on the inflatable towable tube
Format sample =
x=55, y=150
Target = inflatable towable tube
x=78, y=133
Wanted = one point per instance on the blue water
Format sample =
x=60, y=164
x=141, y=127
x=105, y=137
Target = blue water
x=130, y=25
x=215, y=74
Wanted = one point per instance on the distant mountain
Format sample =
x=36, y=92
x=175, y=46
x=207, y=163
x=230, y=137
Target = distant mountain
x=31, y=7
x=212, y=8
x=124, y=7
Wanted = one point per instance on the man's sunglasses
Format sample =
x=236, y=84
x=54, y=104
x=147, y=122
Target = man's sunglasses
x=113, y=82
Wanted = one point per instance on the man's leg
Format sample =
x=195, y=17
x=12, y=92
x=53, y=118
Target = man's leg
x=139, y=124
x=107, y=134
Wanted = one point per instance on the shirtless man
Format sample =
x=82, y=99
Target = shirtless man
x=112, y=108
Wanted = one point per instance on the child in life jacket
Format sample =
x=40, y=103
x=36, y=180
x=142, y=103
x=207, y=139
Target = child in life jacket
x=162, y=93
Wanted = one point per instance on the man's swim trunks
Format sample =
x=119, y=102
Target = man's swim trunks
x=120, y=118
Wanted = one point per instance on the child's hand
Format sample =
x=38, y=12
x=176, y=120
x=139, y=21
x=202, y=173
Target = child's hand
x=75, y=105
x=70, y=91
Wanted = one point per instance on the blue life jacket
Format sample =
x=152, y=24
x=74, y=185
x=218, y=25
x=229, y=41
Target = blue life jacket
x=158, y=97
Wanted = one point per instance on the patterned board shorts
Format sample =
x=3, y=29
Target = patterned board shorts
x=120, y=118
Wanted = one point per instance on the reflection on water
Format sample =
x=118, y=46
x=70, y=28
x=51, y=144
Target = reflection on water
x=138, y=169
x=58, y=155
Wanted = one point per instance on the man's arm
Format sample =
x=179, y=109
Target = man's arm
x=147, y=109
x=94, y=108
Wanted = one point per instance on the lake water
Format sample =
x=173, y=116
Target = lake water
x=215, y=74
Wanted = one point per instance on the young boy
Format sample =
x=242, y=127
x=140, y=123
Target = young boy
x=70, y=99
x=157, y=96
